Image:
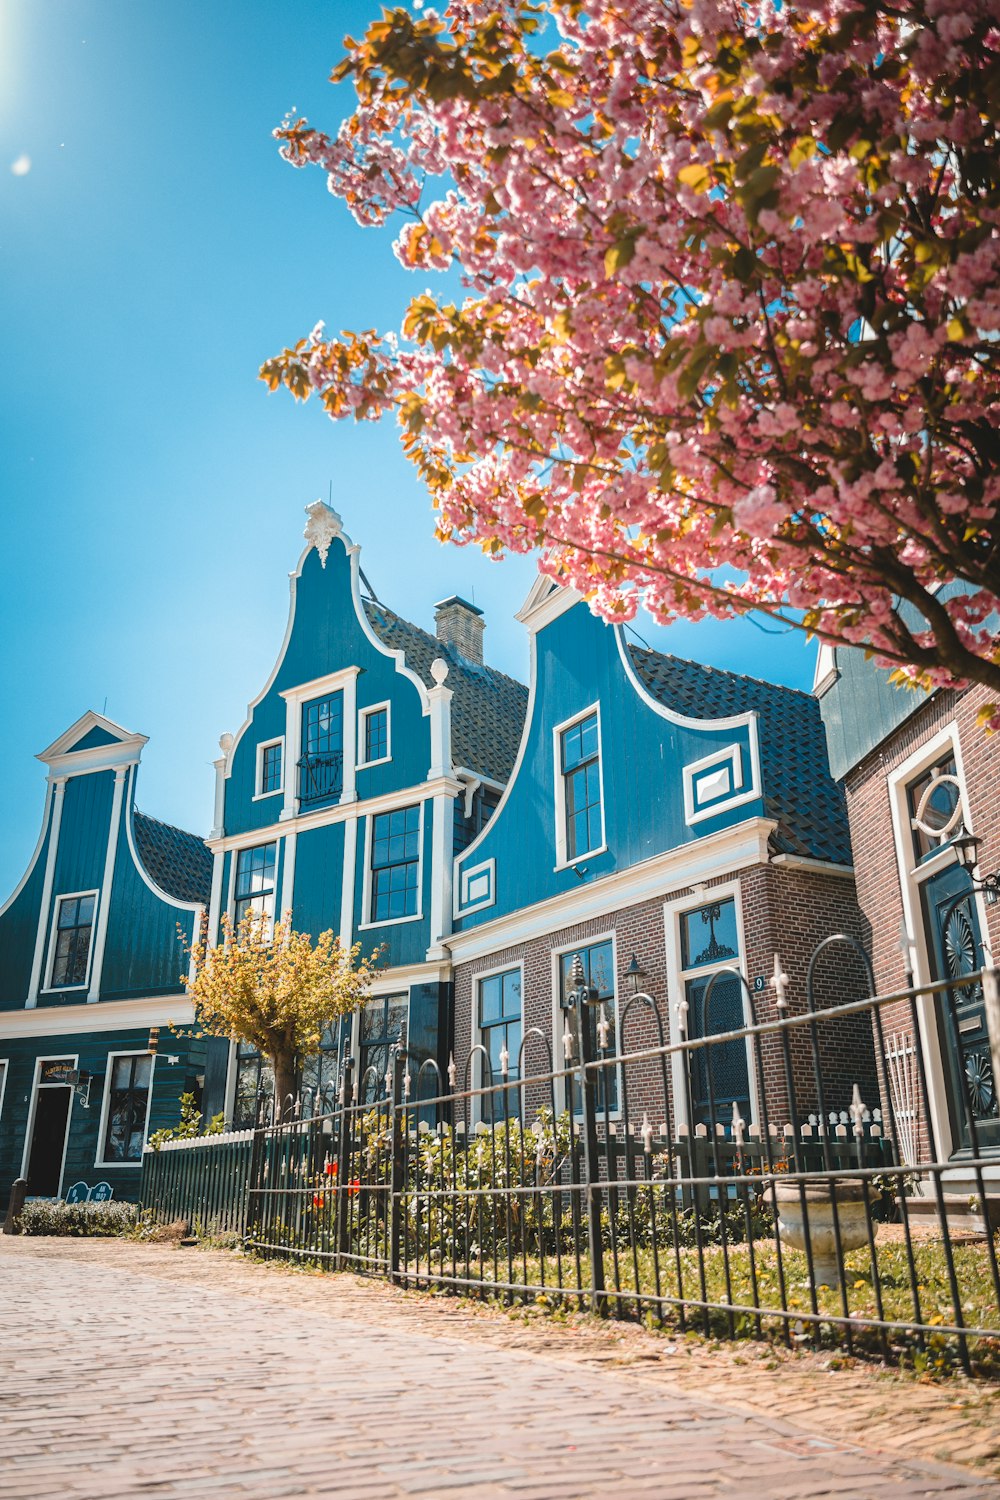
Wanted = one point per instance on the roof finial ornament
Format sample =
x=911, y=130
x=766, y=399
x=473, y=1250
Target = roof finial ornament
x=322, y=526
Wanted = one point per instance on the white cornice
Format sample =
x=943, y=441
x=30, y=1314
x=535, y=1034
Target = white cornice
x=820, y=866
x=730, y=850
x=339, y=813
x=106, y=1015
x=127, y=745
x=546, y=601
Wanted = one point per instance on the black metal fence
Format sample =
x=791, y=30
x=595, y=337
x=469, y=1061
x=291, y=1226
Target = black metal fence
x=601, y=1189
x=204, y=1181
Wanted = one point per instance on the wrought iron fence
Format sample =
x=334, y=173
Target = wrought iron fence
x=830, y=1216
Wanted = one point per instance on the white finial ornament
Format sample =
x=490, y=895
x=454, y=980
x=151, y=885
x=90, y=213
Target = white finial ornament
x=779, y=984
x=739, y=1125
x=322, y=526
x=567, y=1043
x=603, y=1029
x=857, y=1112
x=452, y=1071
x=647, y=1134
x=439, y=671
x=504, y=1059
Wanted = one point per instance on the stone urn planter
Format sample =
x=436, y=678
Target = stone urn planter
x=819, y=1199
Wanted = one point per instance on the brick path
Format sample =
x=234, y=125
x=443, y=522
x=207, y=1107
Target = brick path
x=132, y=1370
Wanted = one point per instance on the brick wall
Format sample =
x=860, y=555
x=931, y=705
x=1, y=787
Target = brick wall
x=784, y=910
x=875, y=859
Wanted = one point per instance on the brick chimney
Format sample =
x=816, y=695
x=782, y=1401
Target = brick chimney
x=461, y=625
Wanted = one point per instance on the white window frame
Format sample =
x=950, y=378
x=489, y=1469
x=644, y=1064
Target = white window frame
x=911, y=877
x=234, y=864
x=4, y=1074
x=74, y=1060
x=366, y=902
x=564, y=1092
x=563, y=862
x=364, y=715
x=476, y=1030
x=345, y=681
x=673, y=909
x=382, y=992
x=279, y=791
x=49, y=988
x=106, y=1107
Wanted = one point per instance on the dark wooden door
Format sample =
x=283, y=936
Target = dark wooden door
x=955, y=944
x=48, y=1142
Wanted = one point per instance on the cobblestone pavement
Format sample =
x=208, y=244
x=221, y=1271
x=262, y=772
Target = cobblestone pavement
x=130, y=1370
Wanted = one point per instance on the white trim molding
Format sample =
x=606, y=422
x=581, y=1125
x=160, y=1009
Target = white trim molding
x=104, y=905
x=59, y=788
x=346, y=682
x=364, y=714
x=258, y=776
x=563, y=862
x=476, y=888
x=367, y=921
x=74, y=1061
x=111, y=1015
x=99, y=1160
x=50, y=960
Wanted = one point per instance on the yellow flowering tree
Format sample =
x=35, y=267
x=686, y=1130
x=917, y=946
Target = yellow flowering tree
x=276, y=989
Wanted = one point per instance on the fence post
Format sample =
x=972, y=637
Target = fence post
x=396, y=1159
x=18, y=1192
x=587, y=1081
x=344, y=1162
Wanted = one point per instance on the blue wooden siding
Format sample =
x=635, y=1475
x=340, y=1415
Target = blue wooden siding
x=169, y=1082
x=145, y=952
x=319, y=866
x=642, y=758
x=18, y=927
x=326, y=637
x=83, y=832
x=94, y=738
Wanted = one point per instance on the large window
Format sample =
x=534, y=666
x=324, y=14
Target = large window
x=128, y=1105
x=382, y=1022
x=255, y=871
x=322, y=764
x=321, y=1073
x=395, y=865
x=598, y=974
x=500, y=1030
x=709, y=947
x=74, y=926
x=254, y=1088
x=580, y=763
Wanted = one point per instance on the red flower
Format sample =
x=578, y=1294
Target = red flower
x=330, y=1169
x=318, y=1200
x=354, y=1187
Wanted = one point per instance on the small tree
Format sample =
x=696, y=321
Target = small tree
x=276, y=989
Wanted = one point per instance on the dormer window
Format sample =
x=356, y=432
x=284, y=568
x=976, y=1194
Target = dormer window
x=71, y=949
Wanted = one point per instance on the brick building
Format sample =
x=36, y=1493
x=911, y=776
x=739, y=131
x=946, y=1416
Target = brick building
x=916, y=769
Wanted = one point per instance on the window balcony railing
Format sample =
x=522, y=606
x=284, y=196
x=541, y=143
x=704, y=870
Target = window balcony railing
x=321, y=777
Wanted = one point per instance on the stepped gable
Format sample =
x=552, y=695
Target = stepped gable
x=177, y=861
x=799, y=791
x=487, y=709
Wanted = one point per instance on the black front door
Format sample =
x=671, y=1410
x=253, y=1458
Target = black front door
x=956, y=949
x=48, y=1141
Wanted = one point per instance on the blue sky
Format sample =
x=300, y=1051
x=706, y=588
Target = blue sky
x=154, y=254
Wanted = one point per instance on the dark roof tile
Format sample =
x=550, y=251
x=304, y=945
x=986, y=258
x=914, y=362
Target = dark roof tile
x=178, y=862
x=487, y=709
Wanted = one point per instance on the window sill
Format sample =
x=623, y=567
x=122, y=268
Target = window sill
x=65, y=989
x=390, y=922
x=112, y=1166
x=571, y=864
x=279, y=791
x=366, y=765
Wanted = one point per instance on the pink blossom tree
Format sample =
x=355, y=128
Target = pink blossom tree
x=729, y=338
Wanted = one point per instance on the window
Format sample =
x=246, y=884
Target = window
x=322, y=764
x=254, y=1088
x=375, y=734
x=382, y=1023
x=321, y=1073
x=269, y=768
x=128, y=1105
x=934, y=801
x=709, y=947
x=599, y=974
x=74, y=925
x=395, y=865
x=255, y=869
x=580, y=764
x=500, y=1028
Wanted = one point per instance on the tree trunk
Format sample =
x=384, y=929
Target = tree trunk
x=283, y=1064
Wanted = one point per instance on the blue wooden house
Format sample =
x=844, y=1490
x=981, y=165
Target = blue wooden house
x=372, y=754
x=92, y=950
x=666, y=822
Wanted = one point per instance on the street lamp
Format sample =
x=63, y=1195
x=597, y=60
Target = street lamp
x=966, y=847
